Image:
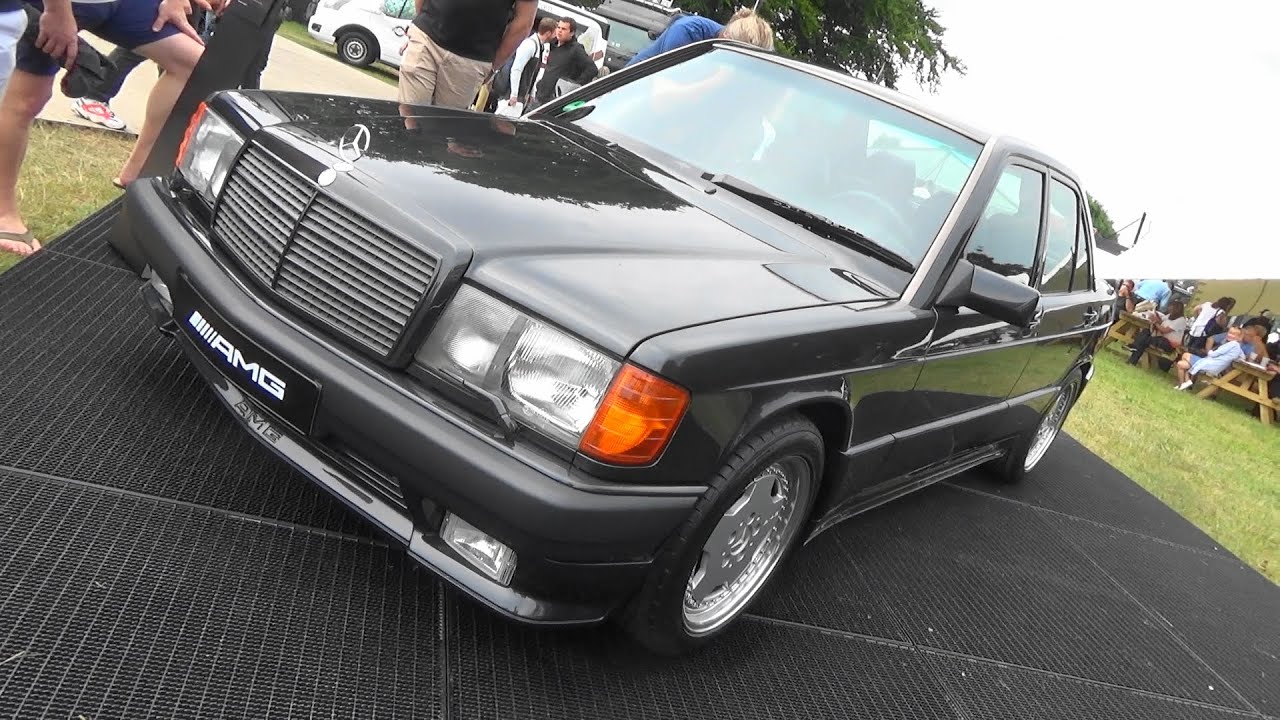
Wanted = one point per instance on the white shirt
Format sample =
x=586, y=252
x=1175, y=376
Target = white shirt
x=525, y=52
x=1176, y=327
x=1207, y=312
x=593, y=44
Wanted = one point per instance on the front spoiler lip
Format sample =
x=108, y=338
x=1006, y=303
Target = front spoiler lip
x=426, y=549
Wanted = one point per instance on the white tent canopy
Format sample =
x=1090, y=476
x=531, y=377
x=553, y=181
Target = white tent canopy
x=1216, y=260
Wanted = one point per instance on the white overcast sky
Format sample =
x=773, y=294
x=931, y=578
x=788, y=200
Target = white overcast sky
x=1168, y=108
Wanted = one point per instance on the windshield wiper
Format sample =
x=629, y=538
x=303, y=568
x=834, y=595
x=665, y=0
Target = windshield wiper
x=810, y=221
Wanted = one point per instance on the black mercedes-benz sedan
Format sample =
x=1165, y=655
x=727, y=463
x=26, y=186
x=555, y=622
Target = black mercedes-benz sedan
x=616, y=359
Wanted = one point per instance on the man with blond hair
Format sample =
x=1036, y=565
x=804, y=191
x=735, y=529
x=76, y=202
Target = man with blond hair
x=745, y=26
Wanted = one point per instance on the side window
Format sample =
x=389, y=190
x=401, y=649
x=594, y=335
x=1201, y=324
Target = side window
x=1004, y=240
x=1061, y=239
x=396, y=8
x=1082, y=281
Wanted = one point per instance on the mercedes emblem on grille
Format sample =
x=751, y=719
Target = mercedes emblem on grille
x=354, y=143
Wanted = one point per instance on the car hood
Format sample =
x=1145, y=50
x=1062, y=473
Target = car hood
x=582, y=232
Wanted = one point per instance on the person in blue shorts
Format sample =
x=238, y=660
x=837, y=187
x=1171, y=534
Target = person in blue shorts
x=745, y=26
x=156, y=29
x=12, y=22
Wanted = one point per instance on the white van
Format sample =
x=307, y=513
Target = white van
x=369, y=31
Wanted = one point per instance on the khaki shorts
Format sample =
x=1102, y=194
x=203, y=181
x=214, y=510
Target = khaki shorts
x=431, y=75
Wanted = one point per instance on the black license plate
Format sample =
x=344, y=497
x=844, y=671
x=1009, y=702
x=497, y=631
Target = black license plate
x=274, y=385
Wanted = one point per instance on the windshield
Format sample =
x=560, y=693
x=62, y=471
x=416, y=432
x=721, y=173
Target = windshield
x=849, y=158
x=627, y=39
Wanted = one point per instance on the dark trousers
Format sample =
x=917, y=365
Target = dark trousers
x=124, y=60
x=1145, y=340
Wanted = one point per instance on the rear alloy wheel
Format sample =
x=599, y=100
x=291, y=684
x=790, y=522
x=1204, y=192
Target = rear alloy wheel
x=356, y=48
x=738, y=535
x=1029, y=451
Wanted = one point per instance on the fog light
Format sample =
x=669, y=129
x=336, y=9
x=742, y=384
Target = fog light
x=492, y=557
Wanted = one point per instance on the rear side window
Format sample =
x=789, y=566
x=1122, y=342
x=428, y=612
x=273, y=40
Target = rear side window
x=1061, y=239
x=1082, y=281
x=1005, y=239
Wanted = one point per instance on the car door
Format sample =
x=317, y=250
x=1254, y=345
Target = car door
x=974, y=361
x=1070, y=302
x=390, y=25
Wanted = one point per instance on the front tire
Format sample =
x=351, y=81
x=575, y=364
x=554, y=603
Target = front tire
x=357, y=48
x=1031, y=448
x=717, y=563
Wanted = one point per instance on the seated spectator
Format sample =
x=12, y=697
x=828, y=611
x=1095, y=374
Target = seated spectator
x=1254, y=343
x=1218, y=360
x=1122, y=299
x=1262, y=321
x=1209, y=319
x=1166, y=333
x=1153, y=291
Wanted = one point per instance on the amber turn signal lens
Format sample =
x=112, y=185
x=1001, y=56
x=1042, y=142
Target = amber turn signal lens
x=196, y=117
x=636, y=418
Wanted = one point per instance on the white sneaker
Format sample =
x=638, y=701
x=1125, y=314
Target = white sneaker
x=1185, y=385
x=98, y=113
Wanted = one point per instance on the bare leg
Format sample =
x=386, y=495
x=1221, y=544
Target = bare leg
x=176, y=55
x=24, y=97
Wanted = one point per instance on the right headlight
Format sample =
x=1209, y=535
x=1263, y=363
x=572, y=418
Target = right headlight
x=208, y=149
x=554, y=382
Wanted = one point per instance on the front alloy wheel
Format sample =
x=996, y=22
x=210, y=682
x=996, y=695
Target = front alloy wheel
x=740, y=532
x=745, y=546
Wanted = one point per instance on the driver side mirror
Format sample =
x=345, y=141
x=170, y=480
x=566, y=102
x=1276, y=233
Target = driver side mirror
x=991, y=294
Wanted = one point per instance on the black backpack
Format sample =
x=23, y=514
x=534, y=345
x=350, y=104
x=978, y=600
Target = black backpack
x=501, y=87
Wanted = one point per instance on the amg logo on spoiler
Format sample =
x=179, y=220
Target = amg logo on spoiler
x=260, y=375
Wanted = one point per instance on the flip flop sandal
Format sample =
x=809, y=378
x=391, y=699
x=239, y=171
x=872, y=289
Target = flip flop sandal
x=118, y=184
x=26, y=238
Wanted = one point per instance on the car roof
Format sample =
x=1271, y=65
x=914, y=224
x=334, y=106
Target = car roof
x=906, y=102
x=637, y=12
x=571, y=9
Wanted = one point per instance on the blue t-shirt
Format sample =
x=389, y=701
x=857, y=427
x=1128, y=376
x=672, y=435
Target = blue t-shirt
x=684, y=31
x=10, y=5
x=1157, y=291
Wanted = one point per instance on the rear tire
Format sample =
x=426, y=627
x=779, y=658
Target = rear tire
x=357, y=48
x=741, y=531
x=1031, y=448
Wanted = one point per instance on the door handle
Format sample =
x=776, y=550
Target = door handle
x=1035, y=319
x=1091, y=315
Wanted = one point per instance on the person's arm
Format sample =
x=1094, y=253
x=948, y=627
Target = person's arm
x=586, y=69
x=518, y=29
x=417, y=6
x=523, y=54
x=59, y=33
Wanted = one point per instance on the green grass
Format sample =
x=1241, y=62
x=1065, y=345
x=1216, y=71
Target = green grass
x=1210, y=460
x=1252, y=296
x=297, y=32
x=61, y=183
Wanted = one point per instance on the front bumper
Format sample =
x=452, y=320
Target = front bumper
x=582, y=549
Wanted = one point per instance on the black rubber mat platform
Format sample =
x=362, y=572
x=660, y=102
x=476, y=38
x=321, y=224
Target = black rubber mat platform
x=155, y=562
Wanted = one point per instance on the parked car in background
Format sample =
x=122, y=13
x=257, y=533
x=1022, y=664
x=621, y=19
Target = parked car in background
x=369, y=31
x=619, y=358
x=635, y=24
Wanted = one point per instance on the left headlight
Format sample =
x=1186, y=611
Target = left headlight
x=550, y=380
x=208, y=149
x=553, y=382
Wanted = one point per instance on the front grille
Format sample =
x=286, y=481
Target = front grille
x=358, y=279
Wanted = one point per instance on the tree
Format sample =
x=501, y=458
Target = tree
x=1101, y=220
x=880, y=40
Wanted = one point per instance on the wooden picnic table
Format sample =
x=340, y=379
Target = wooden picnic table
x=1126, y=329
x=1249, y=382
